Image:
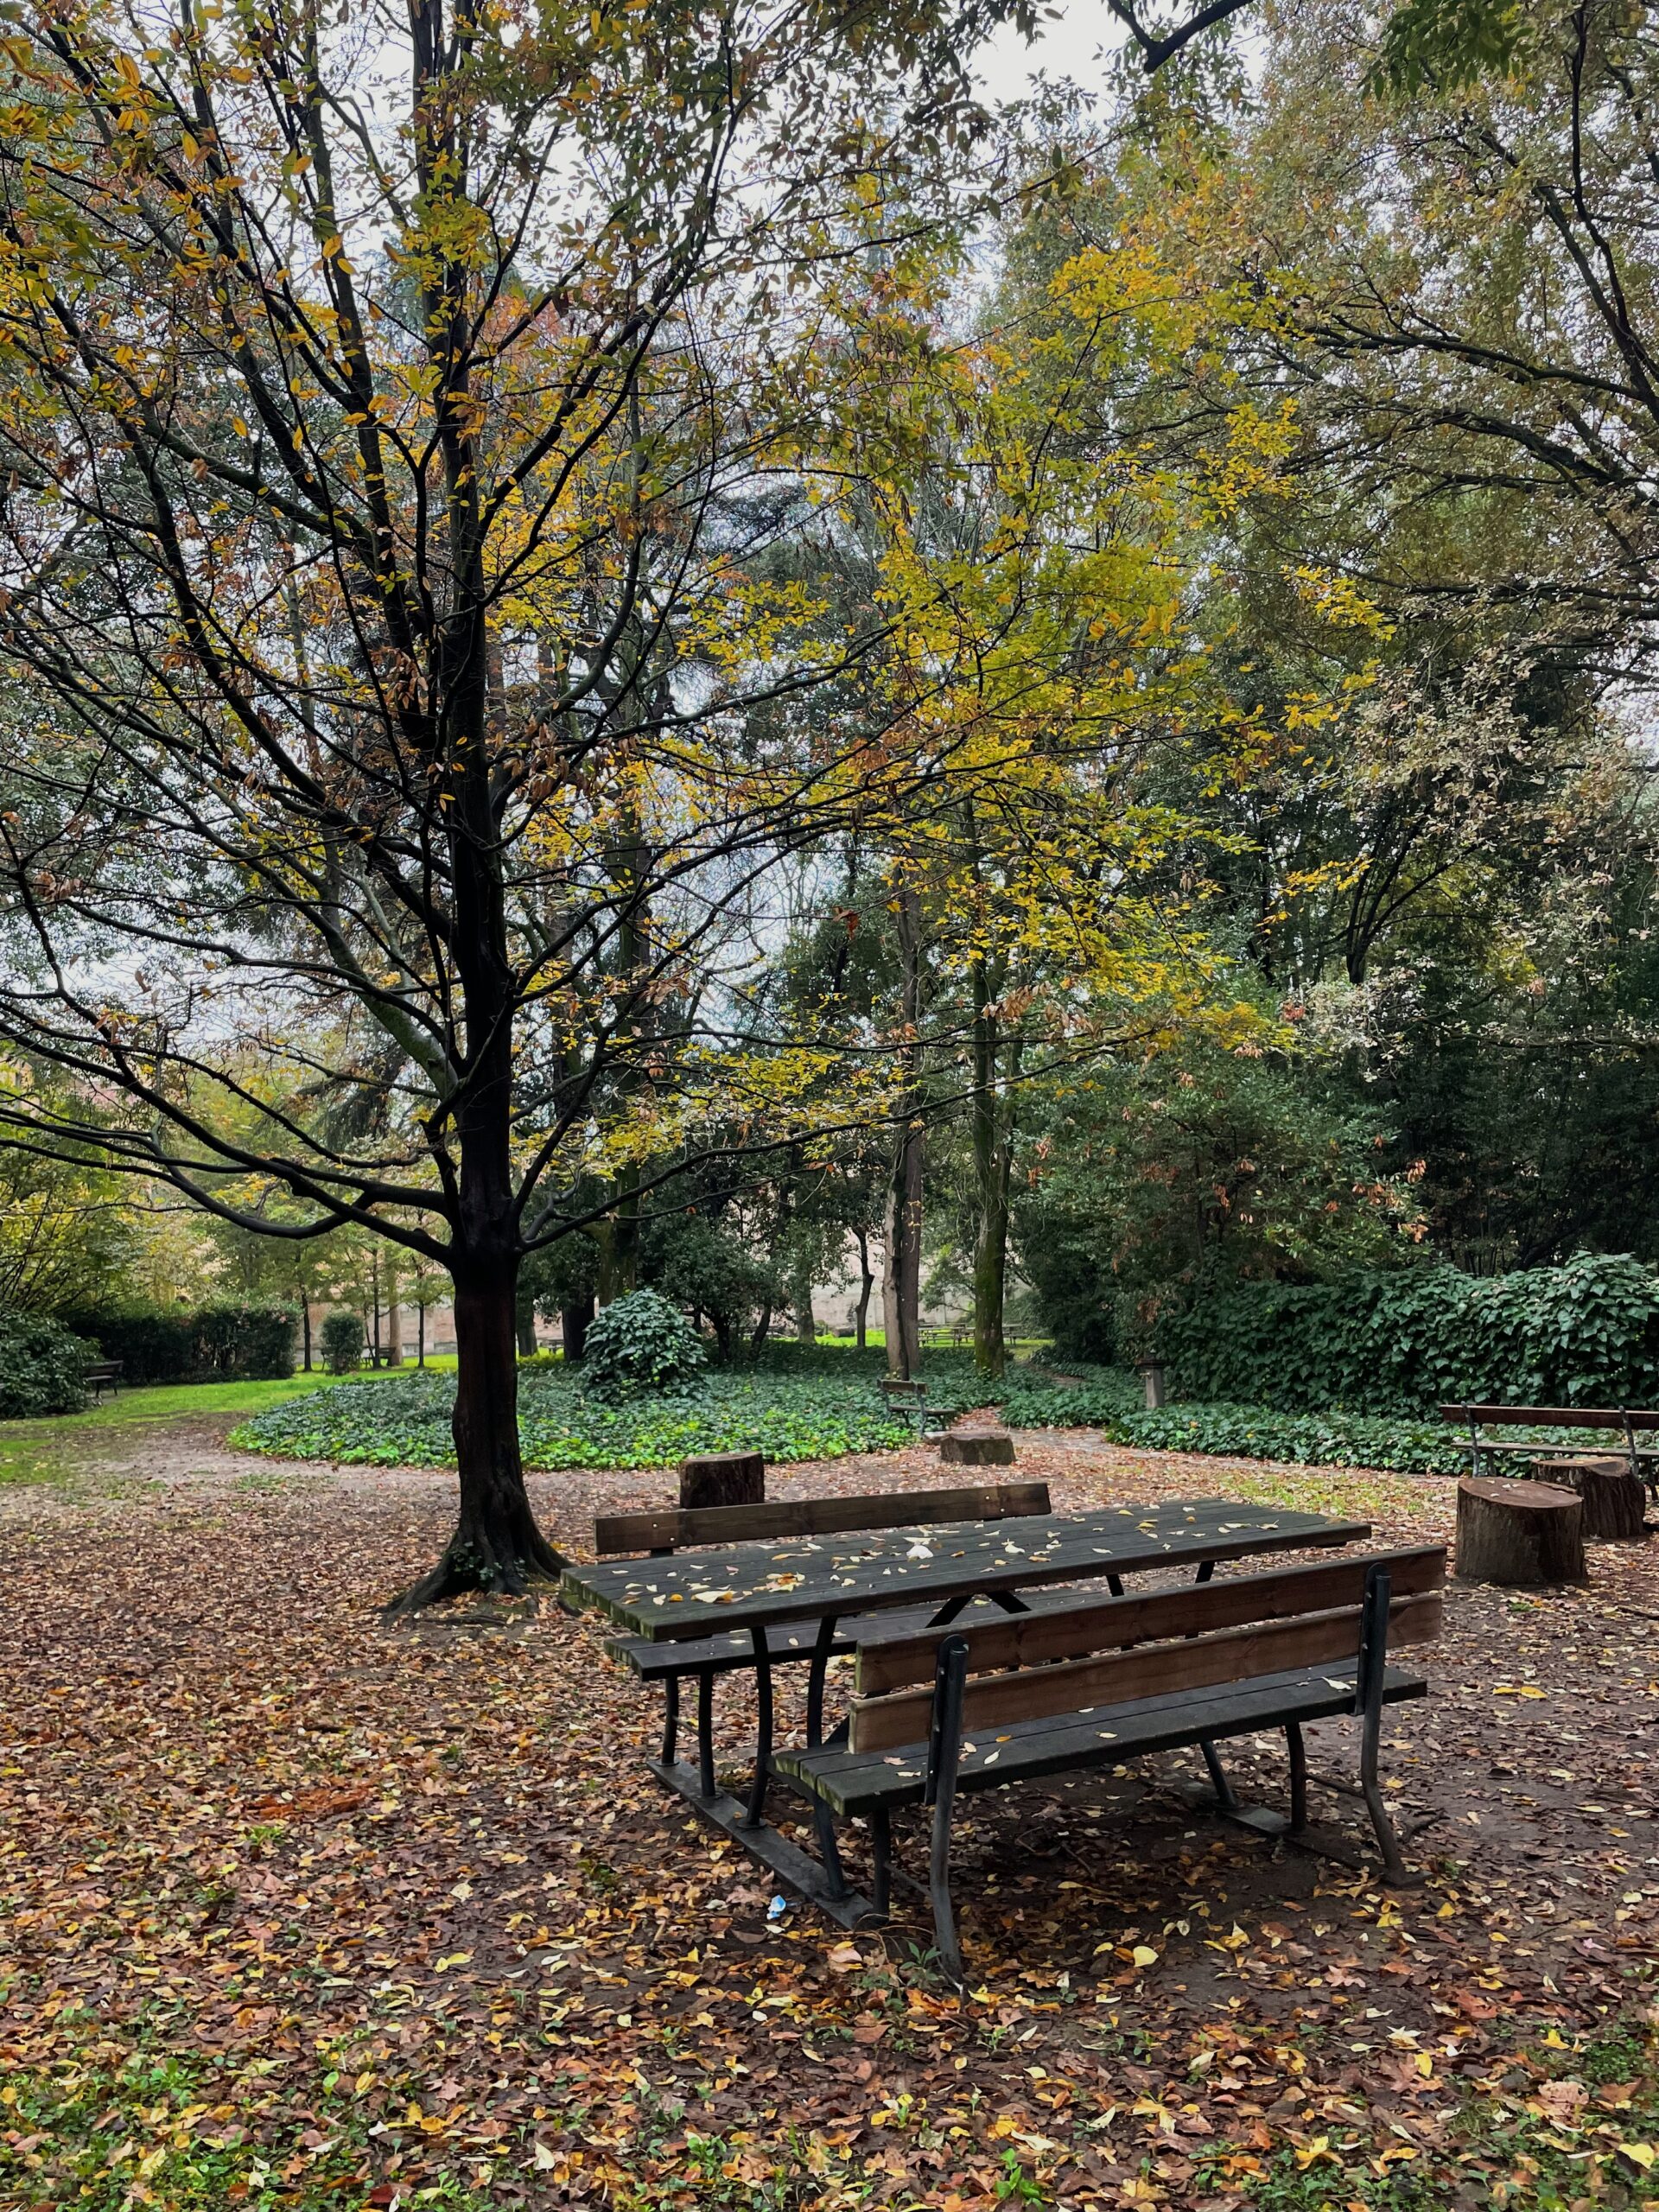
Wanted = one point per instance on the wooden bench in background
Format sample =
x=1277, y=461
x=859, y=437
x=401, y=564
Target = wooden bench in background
x=1620, y=1420
x=664, y=1530
x=1109, y=1680
x=104, y=1375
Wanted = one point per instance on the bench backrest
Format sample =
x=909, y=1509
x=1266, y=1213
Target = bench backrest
x=1107, y=1652
x=689, y=1528
x=1548, y=1417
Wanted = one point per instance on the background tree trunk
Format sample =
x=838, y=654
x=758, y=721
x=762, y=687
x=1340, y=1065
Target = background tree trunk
x=901, y=1274
x=866, y=1285
x=573, y=1327
x=991, y=1163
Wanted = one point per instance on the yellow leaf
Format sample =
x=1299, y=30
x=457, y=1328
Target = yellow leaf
x=1639, y=2154
x=1143, y=1956
x=455, y=1959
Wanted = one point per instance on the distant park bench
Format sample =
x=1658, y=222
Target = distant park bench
x=910, y=1399
x=1619, y=1420
x=1105, y=1681
x=105, y=1375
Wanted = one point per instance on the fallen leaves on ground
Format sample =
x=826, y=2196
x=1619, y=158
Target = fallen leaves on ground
x=303, y=1910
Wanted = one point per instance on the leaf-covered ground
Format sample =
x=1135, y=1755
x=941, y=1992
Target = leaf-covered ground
x=300, y=1910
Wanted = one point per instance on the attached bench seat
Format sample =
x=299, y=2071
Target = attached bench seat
x=1104, y=1681
x=855, y=1784
x=734, y=1653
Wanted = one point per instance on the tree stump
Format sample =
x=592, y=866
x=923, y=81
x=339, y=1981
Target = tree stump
x=1528, y=1533
x=1612, y=1497
x=977, y=1448
x=723, y=1478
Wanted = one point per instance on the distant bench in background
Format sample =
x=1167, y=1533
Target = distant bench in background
x=1620, y=1419
x=104, y=1375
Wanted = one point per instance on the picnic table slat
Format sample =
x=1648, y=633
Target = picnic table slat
x=749, y=1586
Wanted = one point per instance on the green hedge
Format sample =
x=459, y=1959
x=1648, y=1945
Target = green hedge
x=1583, y=1334
x=228, y=1339
x=42, y=1366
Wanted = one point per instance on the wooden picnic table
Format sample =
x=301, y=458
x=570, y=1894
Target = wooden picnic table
x=761, y=1586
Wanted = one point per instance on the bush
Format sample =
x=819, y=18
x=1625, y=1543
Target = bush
x=343, y=1342
x=42, y=1366
x=1583, y=1334
x=640, y=1343
x=251, y=1340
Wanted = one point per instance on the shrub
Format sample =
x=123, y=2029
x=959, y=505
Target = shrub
x=243, y=1339
x=42, y=1366
x=640, y=1343
x=343, y=1342
x=1583, y=1334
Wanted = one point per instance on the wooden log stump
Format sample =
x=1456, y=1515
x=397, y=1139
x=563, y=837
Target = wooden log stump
x=723, y=1478
x=1527, y=1534
x=977, y=1448
x=1612, y=1497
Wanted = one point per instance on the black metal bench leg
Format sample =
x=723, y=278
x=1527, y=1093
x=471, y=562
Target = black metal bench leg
x=706, y=1731
x=1373, y=1665
x=1297, y=1749
x=938, y=1884
x=823, y=1824
x=943, y=1756
x=881, y=1844
x=670, y=1718
x=816, y=1677
x=1223, y=1788
x=756, y=1812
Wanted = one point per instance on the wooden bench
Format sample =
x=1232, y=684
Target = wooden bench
x=671, y=1529
x=1620, y=1419
x=1114, y=1679
x=103, y=1375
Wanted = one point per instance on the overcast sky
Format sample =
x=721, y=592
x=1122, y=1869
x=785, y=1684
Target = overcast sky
x=1068, y=47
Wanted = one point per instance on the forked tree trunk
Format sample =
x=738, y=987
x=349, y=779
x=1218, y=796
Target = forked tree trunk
x=866, y=1285
x=497, y=1545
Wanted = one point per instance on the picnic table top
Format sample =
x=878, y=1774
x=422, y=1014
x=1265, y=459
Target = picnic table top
x=695, y=1593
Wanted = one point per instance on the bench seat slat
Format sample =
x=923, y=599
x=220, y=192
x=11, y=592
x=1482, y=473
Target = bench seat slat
x=730, y=1652
x=851, y=1783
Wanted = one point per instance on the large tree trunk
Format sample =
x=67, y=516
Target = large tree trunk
x=497, y=1545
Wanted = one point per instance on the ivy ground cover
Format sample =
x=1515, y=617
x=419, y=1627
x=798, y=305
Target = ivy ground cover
x=404, y=1421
